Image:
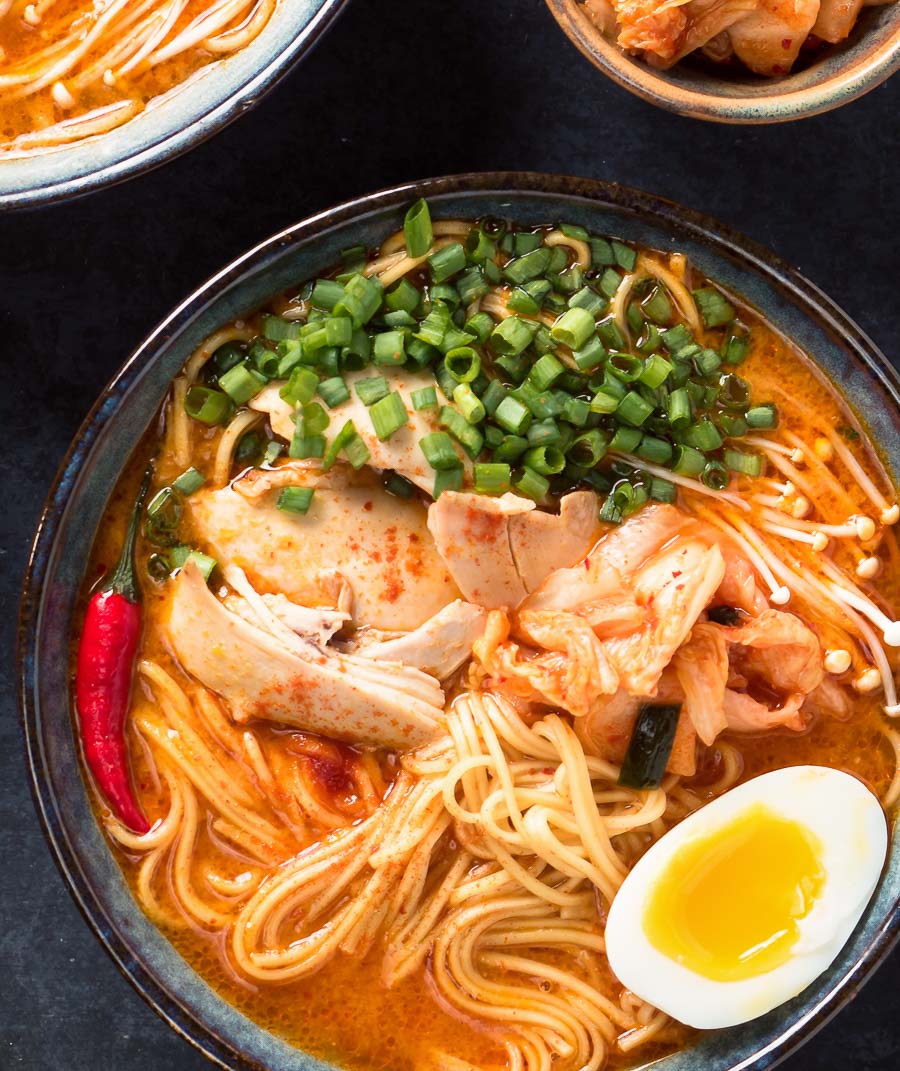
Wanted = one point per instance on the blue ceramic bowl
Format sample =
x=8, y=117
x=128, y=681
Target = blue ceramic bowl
x=168, y=127
x=124, y=411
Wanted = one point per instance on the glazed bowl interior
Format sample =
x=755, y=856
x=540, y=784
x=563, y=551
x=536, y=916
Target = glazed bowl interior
x=175, y=121
x=115, y=426
x=819, y=81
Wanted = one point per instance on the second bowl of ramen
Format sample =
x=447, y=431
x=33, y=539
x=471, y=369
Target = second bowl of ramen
x=499, y=560
x=93, y=93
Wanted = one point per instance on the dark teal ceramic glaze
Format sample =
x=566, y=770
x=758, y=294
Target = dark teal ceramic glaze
x=115, y=425
x=176, y=122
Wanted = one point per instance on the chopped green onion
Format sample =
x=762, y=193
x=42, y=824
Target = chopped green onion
x=207, y=405
x=589, y=448
x=663, y=490
x=590, y=355
x=513, y=367
x=589, y=300
x=295, y=499
x=348, y=440
x=469, y=403
x=529, y=266
x=179, y=557
x=603, y=402
x=545, y=371
x=479, y=246
x=572, y=230
x=273, y=451
x=601, y=252
x=334, y=392
x=734, y=349
x=226, y=356
x=526, y=241
x=493, y=395
x=355, y=449
x=417, y=229
x=426, y=398
x=447, y=261
x=403, y=298
x=715, y=476
x=707, y=361
x=659, y=451
x=677, y=337
x=469, y=436
x=361, y=300
x=447, y=480
x=687, y=461
x=678, y=407
x=513, y=416
x=625, y=256
x=248, y=447
x=703, y=435
x=512, y=447
x=326, y=294
x=531, y=484
x=389, y=348
x=241, y=383
x=480, y=325
x=547, y=460
x=274, y=328
x=463, y=363
x=762, y=416
x=439, y=451
x=511, y=336
x=544, y=433
x=435, y=325
x=714, y=307
x=658, y=306
x=301, y=387
x=372, y=390
x=609, y=282
x=574, y=328
x=576, y=411
x=626, y=366
x=745, y=464
x=399, y=486
x=625, y=440
x=388, y=415
x=634, y=409
x=492, y=479
x=655, y=371
x=732, y=426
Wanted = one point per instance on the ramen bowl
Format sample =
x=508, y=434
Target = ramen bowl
x=174, y=122
x=833, y=76
x=124, y=411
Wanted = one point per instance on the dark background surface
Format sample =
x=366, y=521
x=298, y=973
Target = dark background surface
x=399, y=90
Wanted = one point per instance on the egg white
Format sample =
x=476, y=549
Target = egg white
x=850, y=825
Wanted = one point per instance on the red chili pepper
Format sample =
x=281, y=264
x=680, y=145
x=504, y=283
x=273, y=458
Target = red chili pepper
x=106, y=654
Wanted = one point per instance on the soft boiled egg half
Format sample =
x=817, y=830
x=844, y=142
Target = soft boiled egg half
x=744, y=903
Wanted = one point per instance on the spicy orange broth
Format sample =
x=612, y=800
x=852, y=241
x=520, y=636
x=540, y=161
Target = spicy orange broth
x=30, y=114
x=344, y=1013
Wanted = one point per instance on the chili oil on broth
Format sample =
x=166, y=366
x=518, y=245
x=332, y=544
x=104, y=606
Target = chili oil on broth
x=110, y=83
x=345, y=1005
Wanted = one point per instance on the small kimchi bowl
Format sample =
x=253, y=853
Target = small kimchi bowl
x=819, y=81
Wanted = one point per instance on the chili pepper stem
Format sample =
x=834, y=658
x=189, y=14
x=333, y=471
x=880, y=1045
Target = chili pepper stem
x=123, y=581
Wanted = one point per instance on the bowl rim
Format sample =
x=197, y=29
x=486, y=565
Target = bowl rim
x=226, y=106
x=781, y=106
x=662, y=213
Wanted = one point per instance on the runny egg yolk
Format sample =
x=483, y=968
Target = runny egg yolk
x=728, y=904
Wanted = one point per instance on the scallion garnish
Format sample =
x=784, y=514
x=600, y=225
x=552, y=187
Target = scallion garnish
x=417, y=229
x=295, y=499
x=388, y=415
